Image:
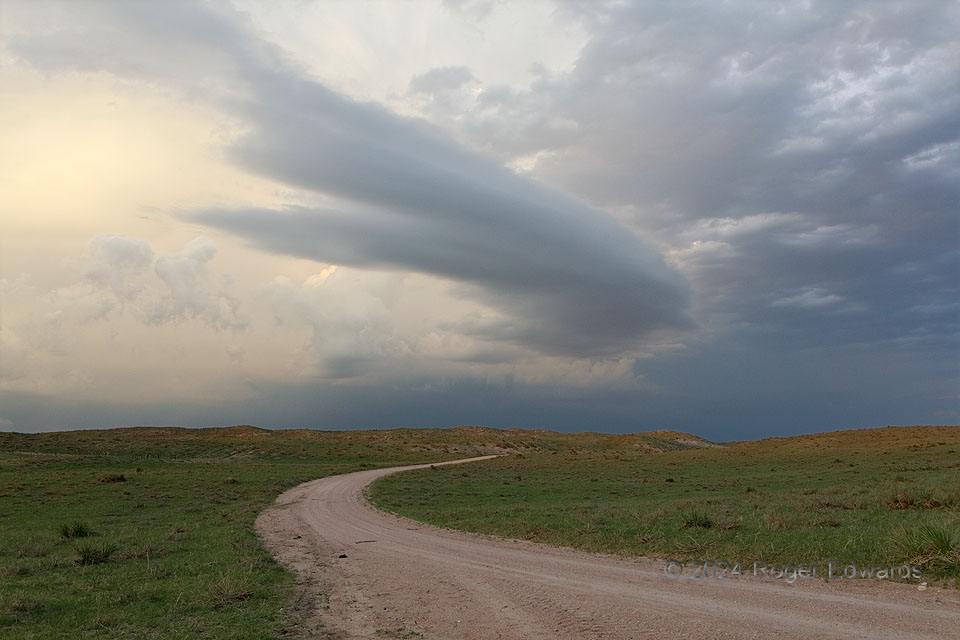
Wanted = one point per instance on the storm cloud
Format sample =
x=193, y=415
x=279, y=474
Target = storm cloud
x=733, y=218
x=567, y=278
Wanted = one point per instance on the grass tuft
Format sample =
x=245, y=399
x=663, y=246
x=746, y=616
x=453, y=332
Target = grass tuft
x=94, y=552
x=696, y=520
x=230, y=588
x=935, y=546
x=75, y=529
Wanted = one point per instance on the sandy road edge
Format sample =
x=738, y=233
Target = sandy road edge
x=343, y=600
x=295, y=545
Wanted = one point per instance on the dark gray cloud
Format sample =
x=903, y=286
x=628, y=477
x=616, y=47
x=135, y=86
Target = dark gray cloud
x=757, y=105
x=811, y=152
x=569, y=279
x=799, y=162
x=718, y=394
x=558, y=295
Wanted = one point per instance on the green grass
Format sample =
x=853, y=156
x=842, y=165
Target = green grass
x=696, y=519
x=95, y=552
x=76, y=529
x=934, y=545
x=870, y=496
x=148, y=533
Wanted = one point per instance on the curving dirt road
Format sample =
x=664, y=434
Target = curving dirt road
x=364, y=573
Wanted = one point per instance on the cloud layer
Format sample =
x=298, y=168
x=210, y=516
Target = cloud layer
x=567, y=278
x=718, y=214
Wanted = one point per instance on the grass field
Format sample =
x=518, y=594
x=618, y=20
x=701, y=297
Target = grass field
x=148, y=533
x=873, y=497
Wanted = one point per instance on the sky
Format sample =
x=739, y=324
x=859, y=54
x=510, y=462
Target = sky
x=736, y=219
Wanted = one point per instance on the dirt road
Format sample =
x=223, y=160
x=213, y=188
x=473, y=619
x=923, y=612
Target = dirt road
x=368, y=574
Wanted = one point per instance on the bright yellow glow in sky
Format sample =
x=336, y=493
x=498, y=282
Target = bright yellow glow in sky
x=88, y=153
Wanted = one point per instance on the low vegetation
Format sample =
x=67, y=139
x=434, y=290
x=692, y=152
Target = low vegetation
x=148, y=533
x=871, y=496
x=76, y=529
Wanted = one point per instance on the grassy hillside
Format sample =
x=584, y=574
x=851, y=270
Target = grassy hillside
x=148, y=532
x=869, y=496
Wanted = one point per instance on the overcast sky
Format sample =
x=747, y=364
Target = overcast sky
x=737, y=219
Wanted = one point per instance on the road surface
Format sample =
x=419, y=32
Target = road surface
x=363, y=573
